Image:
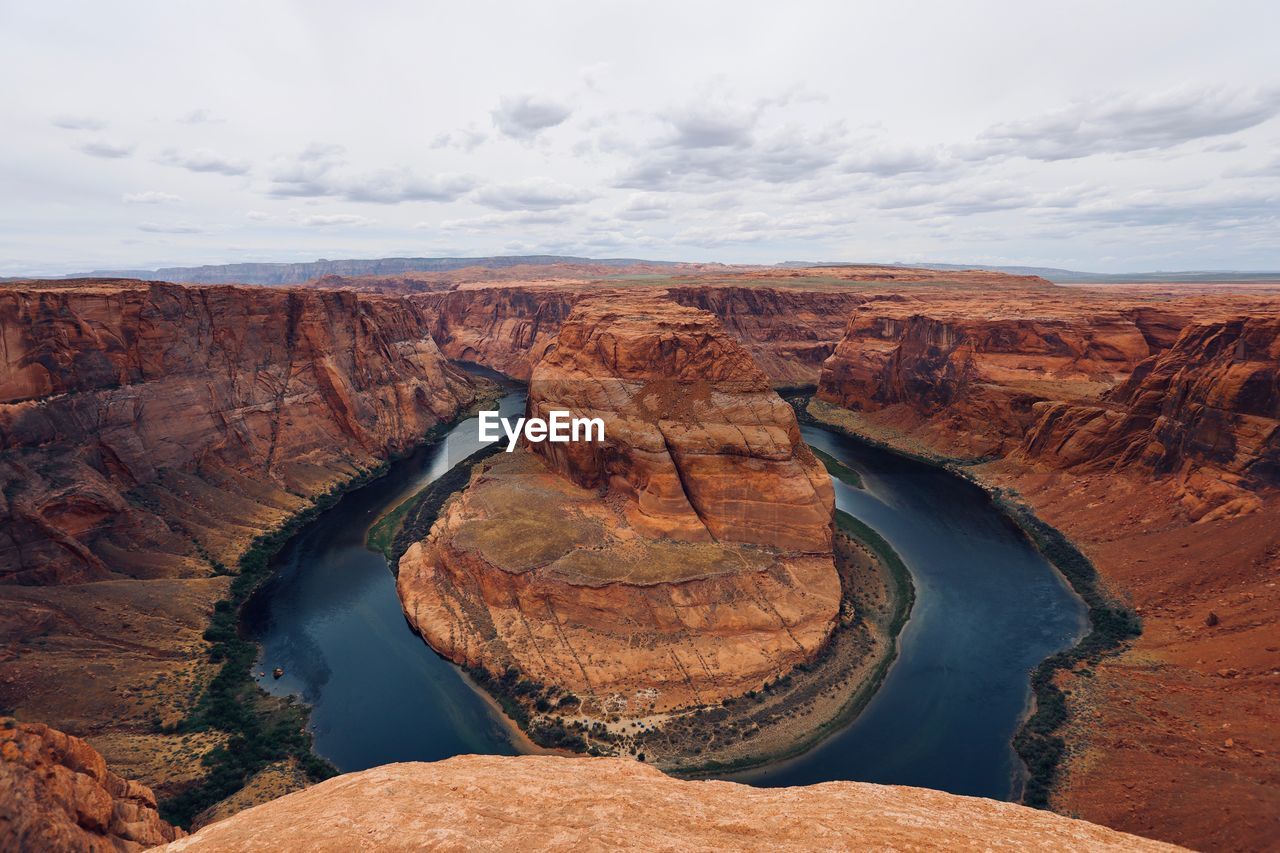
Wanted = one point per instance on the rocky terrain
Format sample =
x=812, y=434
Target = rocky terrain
x=1145, y=426
x=56, y=794
x=148, y=434
x=685, y=559
x=544, y=803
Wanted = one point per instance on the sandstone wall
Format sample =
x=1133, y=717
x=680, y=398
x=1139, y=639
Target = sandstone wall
x=142, y=424
x=56, y=794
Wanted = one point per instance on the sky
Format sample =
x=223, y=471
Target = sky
x=1110, y=137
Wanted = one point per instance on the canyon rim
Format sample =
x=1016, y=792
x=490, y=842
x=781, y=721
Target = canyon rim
x=682, y=426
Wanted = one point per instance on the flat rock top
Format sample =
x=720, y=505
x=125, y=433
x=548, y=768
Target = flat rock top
x=549, y=803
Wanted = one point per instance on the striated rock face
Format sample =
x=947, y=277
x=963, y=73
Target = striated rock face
x=57, y=794
x=697, y=443
x=685, y=559
x=969, y=381
x=1206, y=410
x=505, y=329
x=141, y=424
x=149, y=432
x=788, y=332
x=544, y=803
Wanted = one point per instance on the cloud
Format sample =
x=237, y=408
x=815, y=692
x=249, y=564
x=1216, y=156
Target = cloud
x=706, y=126
x=106, y=148
x=71, y=122
x=319, y=172
x=498, y=221
x=786, y=155
x=1199, y=210
x=887, y=161
x=257, y=215
x=1127, y=123
x=174, y=228
x=531, y=194
x=525, y=116
x=464, y=139
x=645, y=206
x=200, y=116
x=150, y=197
x=325, y=220
x=204, y=160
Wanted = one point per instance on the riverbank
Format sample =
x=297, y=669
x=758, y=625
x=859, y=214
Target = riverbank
x=784, y=718
x=1037, y=741
x=260, y=735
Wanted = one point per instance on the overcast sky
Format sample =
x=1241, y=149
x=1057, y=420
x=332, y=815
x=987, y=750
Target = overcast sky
x=1110, y=136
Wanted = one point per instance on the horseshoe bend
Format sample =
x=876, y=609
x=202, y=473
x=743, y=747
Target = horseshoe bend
x=685, y=560
x=657, y=426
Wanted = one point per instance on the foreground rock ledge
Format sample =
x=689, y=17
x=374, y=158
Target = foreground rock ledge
x=549, y=803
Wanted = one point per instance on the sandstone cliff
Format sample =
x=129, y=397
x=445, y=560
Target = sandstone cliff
x=966, y=378
x=142, y=424
x=148, y=433
x=685, y=559
x=542, y=803
x=1206, y=411
x=56, y=794
x=1161, y=467
x=787, y=331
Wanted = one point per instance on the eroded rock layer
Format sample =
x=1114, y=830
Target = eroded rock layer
x=56, y=793
x=684, y=559
x=544, y=803
x=1161, y=466
x=148, y=433
x=141, y=424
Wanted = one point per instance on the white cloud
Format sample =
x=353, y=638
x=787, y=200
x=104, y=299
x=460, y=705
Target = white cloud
x=1130, y=122
x=204, y=160
x=106, y=148
x=531, y=194
x=257, y=215
x=170, y=228
x=78, y=122
x=525, y=116
x=150, y=197
x=324, y=220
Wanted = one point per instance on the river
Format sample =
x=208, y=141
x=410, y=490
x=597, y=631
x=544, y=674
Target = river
x=988, y=608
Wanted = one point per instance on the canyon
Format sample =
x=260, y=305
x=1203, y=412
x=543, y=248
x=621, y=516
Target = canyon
x=149, y=433
x=1145, y=426
x=683, y=560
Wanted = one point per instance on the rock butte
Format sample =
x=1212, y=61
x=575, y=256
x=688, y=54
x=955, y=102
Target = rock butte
x=56, y=793
x=545, y=803
x=685, y=559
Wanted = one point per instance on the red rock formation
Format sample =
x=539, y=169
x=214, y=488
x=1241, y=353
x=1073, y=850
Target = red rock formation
x=1166, y=478
x=1206, y=411
x=969, y=379
x=684, y=559
x=544, y=803
x=56, y=793
x=149, y=430
x=787, y=331
x=164, y=420
x=696, y=442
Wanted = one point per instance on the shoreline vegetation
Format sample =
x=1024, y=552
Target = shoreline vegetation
x=783, y=719
x=1111, y=623
x=262, y=730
